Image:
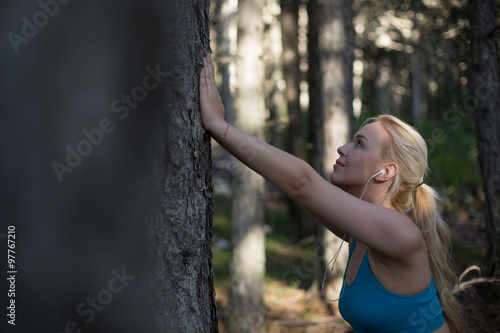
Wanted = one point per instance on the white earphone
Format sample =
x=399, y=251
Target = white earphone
x=375, y=175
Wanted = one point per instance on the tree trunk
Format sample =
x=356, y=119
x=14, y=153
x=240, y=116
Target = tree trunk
x=181, y=239
x=247, y=264
x=331, y=53
x=383, y=65
x=225, y=16
x=290, y=41
x=273, y=72
x=485, y=89
x=74, y=174
x=226, y=29
x=416, y=112
x=291, y=73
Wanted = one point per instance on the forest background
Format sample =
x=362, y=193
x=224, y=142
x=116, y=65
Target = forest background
x=410, y=59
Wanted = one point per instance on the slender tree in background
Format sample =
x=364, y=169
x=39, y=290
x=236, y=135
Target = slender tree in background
x=416, y=99
x=485, y=88
x=382, y=82
x=290, y=41
x=273, y=73
x=225, y=12
x=291, y=73
x=331, y=52
x=247, y=263
x=181, y=240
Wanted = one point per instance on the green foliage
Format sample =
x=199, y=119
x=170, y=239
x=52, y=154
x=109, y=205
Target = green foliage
x=221, y=267
x=452, y=156
x=222, y=217
x=466, y=256
x=222, y=230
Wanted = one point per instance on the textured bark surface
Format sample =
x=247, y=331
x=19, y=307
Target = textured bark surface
x=331, y=53
x=485, y=89
x=247, y=264
x=182, y=230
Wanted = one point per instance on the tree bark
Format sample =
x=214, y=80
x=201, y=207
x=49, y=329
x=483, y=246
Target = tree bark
x=331, y=53
x=247, y=263
x=485, y=89
x=181, y=231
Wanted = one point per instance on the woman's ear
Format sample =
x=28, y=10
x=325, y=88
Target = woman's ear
x=390, y=170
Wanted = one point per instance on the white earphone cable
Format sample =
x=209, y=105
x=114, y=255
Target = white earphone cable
x=334, y=259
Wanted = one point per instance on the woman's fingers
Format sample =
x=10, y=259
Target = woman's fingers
x=203, y=81
x=204, y=75
x=207, y=78
x=212, y=109
x=211, y=64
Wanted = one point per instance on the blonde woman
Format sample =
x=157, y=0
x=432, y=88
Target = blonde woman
x=397, y=278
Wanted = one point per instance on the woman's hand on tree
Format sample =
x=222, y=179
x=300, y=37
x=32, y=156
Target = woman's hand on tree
x=212, y=109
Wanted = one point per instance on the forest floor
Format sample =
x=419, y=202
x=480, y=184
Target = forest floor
x=291, y=308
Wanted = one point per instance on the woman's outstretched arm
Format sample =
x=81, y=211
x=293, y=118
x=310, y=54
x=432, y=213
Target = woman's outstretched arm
x=285, y=171
x=380, y=228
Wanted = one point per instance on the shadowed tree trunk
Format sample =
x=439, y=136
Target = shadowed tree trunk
x=291, y=73
x=382, y=90
x=416, y=98
x=181, y=233
x=247, y=264
x=290, y=41
x=225, y=17
x=485, y=88
x=273, y=73
x=226, y=23
x=74, y=174
x=331, y=53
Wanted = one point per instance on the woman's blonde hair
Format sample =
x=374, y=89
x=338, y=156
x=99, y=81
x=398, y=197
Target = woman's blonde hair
x=408, y=150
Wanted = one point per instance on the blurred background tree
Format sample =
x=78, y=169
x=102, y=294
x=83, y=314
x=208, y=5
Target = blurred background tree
x=247, y=265
x=331, y=53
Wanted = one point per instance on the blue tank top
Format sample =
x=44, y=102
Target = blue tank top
x=371, y=308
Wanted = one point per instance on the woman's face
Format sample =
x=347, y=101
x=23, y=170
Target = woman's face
x=359, y=159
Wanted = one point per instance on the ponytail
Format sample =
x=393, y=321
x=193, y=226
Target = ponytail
x=437, y=237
